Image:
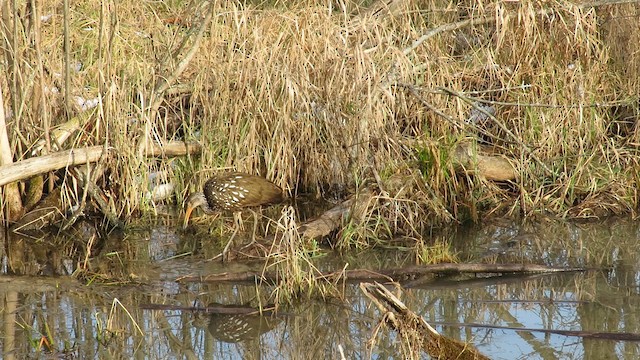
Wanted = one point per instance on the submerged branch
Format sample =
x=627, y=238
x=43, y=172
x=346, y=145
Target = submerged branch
x=616, y=336
x=390, y=274
x=416, y=333
x=214, y=309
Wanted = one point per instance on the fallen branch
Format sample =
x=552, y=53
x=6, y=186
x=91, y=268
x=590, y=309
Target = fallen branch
x=415, y=332
x=38, y=165
x=397, y=274
x=333, y=218
x=27, y=168
x=175, y=148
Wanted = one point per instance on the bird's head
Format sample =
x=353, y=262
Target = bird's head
x=193, y=202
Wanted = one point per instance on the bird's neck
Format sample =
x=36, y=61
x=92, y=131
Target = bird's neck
x=204, y=204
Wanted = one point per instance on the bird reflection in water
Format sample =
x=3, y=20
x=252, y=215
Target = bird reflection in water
x=238, y=323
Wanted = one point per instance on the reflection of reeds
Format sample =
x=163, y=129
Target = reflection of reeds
x=591, y=301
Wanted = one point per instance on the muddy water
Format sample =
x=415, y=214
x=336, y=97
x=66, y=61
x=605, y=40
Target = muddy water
x=137, y=307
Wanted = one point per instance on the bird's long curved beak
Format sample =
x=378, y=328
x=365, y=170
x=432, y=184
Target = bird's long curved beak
x=187, y=215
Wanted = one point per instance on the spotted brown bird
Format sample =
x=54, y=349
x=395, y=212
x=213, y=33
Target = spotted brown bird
x=232, y=191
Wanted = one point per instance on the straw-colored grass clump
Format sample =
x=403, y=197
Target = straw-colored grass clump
x=322, y=96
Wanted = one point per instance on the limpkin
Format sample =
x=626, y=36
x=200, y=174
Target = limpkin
x=232, y=191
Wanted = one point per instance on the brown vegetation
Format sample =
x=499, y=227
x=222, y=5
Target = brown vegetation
x=321, y=99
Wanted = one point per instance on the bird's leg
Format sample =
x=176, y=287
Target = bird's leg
x=255, y=230
x=237, y=221
x=255, y=226
x=237, y=224
x=225, y=251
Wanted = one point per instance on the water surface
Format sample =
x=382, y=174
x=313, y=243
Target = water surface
x=139, y=307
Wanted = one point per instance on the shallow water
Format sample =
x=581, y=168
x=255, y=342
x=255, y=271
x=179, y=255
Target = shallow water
x=144, y=310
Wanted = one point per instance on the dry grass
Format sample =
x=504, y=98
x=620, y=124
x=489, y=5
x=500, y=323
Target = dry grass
x=292, y=259
x=317, y=99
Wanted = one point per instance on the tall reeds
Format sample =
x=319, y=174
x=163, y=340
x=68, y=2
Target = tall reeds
x=316, y=98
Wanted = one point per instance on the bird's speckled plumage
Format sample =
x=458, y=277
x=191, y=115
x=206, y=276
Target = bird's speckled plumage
x=233, y=191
